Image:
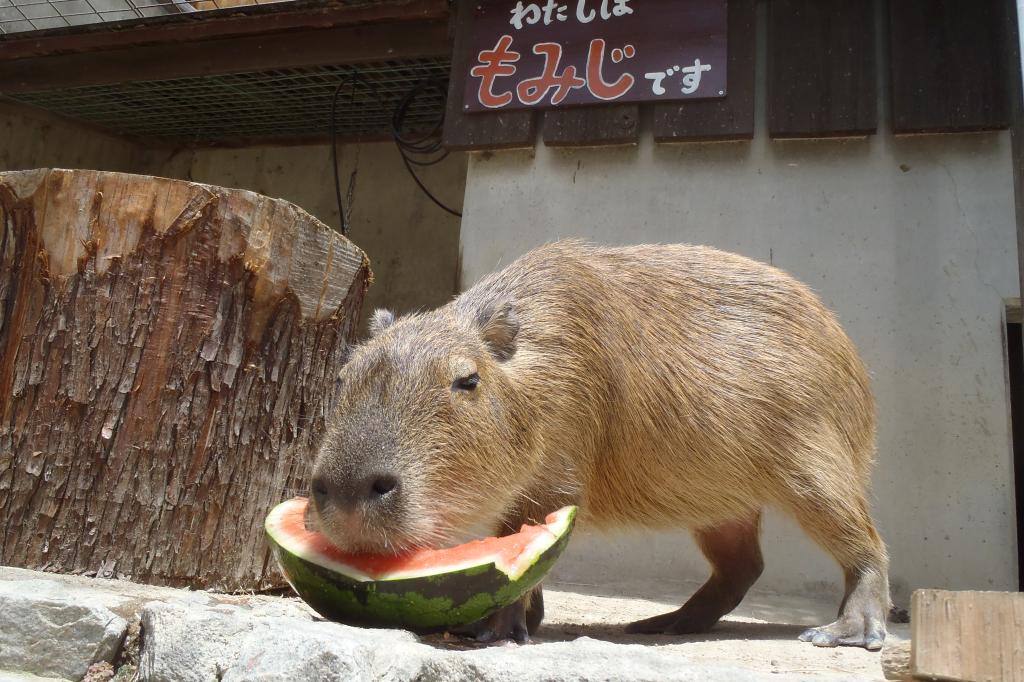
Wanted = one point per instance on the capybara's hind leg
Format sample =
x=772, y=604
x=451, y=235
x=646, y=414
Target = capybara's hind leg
x=839, y=521
x=734, y=551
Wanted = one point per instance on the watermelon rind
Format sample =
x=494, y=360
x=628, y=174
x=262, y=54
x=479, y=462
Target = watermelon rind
x=425, y=601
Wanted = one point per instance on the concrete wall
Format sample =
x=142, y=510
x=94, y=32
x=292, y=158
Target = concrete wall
x=911, y=241
x=31, y=138
x=412, y=244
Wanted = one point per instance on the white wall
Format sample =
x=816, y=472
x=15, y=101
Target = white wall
x=911, y=241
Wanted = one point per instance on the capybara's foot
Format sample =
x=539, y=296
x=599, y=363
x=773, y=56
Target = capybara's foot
x=507, y=624
x=698, y=614
x=652, y=626
x=864, y=631
x=679, y=622
x=862, y=619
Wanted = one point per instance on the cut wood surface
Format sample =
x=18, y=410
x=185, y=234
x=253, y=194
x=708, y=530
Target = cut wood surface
x=970, y=636
x=895, y=659
x=168, y=352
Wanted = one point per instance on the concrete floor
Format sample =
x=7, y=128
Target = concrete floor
x=761, y=635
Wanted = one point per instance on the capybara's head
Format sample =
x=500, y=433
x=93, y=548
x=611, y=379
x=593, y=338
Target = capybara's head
x=426, y=442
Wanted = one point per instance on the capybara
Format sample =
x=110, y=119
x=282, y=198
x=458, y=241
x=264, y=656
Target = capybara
x=653, y=386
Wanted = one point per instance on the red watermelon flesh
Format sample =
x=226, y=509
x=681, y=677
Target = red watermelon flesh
x=511, y=554
x=424, y=590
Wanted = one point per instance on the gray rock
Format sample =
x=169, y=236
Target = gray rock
x=237, y=644
x=266, y=641
x=47, y=632
x=8, y=676
x=327, y=651
x=58, y=625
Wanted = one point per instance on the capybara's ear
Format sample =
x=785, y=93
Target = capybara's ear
x=499, y=327
x=381, y=320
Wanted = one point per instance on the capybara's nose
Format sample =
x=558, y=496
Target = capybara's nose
x=382, y=486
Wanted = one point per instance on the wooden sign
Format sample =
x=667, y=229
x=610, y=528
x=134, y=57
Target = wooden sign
x=554, y=53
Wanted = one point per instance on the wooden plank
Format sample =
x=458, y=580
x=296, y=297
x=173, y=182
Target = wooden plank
x=260, y=19
x=462, y=131
x=731, y=118
x=592, y=126
x=821, y=68
x=344, y=45
x=1014, y=315
x=949, y=65
x=967, y=635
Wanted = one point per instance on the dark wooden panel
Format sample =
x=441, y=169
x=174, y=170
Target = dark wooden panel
x=592, y=126
x=949, y=65
x=821, y=68
x=731, y=118
x=464, y=131
x=344, y=45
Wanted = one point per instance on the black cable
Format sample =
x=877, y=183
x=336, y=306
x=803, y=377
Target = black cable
x=334, y=155
x=355, y=77
x=429, y=144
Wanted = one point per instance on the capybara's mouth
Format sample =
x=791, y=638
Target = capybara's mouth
x=364, y=540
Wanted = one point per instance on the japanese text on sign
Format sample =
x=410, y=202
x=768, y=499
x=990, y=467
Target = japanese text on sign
x=550, y=53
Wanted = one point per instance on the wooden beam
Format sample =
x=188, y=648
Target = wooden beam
x=344, y=45
x=189, y=28
x=967, y=635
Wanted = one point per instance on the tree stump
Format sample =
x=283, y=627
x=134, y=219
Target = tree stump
x=168, y=353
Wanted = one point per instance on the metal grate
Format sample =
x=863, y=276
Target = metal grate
x=19, y=16
x=264, y=105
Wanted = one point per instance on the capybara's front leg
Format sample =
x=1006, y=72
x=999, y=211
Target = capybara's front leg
x=516, y=622
x=509, y=623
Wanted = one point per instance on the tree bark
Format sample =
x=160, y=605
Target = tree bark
x=168, y=354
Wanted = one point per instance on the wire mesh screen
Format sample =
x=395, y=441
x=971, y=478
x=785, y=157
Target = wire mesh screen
x=264, y=105
x=19, y=16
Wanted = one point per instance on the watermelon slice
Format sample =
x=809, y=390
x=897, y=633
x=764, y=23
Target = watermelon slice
x=425, y=590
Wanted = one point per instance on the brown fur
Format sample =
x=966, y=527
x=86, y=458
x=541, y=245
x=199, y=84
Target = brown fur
x=654, y=386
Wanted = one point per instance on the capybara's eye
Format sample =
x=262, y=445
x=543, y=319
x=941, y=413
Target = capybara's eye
x=467, y=383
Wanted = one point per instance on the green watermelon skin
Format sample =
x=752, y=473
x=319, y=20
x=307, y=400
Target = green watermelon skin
x=424, y=604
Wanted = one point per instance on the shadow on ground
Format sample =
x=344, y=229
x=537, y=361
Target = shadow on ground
x=613, y=632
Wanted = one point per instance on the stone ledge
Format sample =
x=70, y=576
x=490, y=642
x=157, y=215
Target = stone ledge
x=198, y=636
